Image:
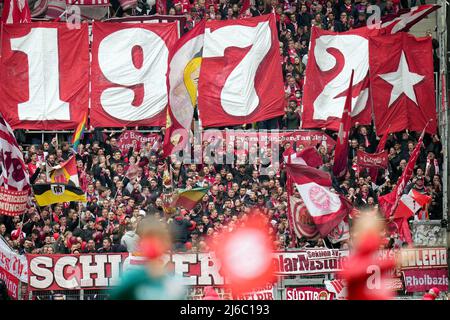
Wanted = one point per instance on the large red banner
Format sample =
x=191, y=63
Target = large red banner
x=402, y=83
x=240, y=77
x=332, y=57
x=421, y=280
x=45, y=75
x=129, y=67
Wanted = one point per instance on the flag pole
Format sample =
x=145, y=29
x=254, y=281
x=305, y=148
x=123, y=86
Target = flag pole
x=290, y=217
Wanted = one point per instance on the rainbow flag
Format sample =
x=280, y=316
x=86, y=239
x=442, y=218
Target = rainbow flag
x=188, y=199
x=78, y=134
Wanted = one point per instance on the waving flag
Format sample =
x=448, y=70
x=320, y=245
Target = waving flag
x=302, y=222
x=308, y=156
x=380, y=148
x=79, y=132
x=47, y=194
x=65, y=172
x=16, y=11
x=184, y=71
x=326, y=208
x=404, y=21
x=389, y=202
x=341, y=150
x=331, y=59
x=14, y=175
x=189, y=198
x=402, y=83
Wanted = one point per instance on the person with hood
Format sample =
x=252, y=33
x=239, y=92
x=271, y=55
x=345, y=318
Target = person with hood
x=179, y=228
x=130, y=239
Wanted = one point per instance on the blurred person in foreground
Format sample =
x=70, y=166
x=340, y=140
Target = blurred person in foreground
x=366, y=275
x=150, y=281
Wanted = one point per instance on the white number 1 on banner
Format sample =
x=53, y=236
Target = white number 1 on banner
x=44, y=103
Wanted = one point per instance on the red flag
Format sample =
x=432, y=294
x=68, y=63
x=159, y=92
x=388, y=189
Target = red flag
x=184, y=68
x=405, y=20
x=389, y=202
x=308, y=156
x=301, y=220
x=16, y=11
x=401, y=77
x=331, y=59
x=326, y=208
x=407, y=206
x=341, y=150
x=420, y=198
x=380, y=148
x=249, y=86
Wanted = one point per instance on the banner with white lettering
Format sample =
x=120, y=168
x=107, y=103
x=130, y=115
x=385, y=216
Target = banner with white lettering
x=45, y=75
x=94, y=271
x=306, y=138
x=372, y=160
x=421, y=280
x=13, y=203
x=424, y=258
x=310, y=261
x=308, y=293
x=137, y=140
x=13, y=267
x=129, y=67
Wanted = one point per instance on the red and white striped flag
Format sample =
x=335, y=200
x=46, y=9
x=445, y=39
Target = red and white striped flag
x=404, y=21
x=14, y=175
x=326, y=208
x=308, y=156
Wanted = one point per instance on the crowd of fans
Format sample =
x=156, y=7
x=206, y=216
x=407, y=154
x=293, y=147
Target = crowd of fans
x=116, y=203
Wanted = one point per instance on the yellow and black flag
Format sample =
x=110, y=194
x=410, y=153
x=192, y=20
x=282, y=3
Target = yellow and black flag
x=49, y=193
